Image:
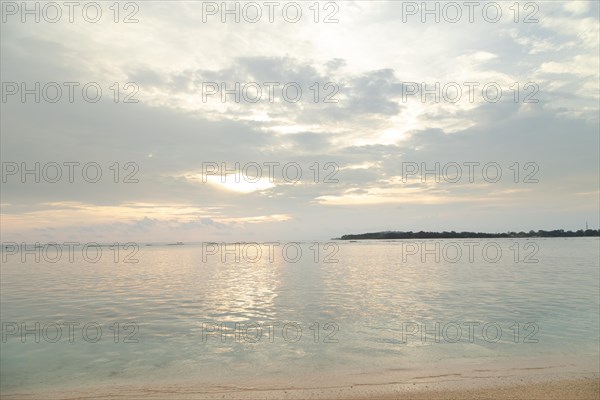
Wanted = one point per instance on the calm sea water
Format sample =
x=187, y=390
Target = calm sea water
x=181, y=313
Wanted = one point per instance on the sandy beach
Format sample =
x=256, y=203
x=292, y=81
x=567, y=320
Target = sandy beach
x=576, y=389
x=582, y=388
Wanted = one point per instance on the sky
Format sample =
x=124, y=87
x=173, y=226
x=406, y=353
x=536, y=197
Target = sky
x=347, y=119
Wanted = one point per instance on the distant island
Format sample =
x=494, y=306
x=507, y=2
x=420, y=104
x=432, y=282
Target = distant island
x=469, y=235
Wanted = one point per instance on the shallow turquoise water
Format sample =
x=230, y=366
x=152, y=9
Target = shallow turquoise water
x=361, y=307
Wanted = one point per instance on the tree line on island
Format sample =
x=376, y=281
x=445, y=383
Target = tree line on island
x=470, y=235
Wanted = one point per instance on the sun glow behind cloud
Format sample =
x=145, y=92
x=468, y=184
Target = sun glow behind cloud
x=237, y=183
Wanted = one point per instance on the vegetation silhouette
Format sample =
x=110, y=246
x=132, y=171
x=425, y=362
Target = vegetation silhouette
x=470, y=235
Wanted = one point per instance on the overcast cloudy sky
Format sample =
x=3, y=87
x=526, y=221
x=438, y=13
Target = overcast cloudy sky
x=367, y=127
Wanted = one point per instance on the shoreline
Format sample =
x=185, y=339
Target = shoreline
x=496, y=380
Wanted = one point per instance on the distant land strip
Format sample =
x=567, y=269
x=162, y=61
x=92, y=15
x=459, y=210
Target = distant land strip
x=469, y=235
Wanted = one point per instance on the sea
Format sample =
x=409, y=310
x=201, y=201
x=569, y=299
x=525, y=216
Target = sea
x=295, y=313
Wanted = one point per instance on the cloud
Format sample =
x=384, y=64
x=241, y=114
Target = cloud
x=370, y=59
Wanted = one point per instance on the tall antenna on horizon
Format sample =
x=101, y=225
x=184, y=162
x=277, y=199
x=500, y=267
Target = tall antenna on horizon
x=586, y=226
